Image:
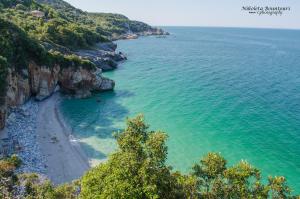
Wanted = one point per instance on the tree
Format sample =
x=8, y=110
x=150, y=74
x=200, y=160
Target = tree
x=209, y=171
x=38, y=189
x=243, y=180
x=278, y=187
x=137, y=169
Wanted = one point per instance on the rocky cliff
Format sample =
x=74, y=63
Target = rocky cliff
x=2, y=116
x=34, y=63
x=41, y=81
x=104, y=56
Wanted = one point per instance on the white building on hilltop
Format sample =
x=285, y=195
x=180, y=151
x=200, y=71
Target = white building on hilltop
x=37, y=13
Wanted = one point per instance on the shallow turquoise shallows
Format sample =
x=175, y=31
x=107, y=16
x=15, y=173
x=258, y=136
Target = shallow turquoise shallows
x=234, y=91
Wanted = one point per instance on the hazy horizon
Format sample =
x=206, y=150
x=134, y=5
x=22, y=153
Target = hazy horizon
x=202, y=13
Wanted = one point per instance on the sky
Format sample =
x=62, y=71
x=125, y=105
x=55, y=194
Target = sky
x=224, y=13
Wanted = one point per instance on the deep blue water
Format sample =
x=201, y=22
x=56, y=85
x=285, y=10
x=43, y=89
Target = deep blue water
x=234, y=91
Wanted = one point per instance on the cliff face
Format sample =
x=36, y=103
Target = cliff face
x=18, y=90
x=81, y=81
x=40, y=82
x=43, y=80
x=25, y=60
x=104, y=57
x=2, y=116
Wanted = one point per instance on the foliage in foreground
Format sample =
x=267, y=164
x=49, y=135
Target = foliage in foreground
x=8, y=178
x=138, y=170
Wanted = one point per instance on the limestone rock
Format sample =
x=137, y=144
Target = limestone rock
x=18, y=90
x=82, y=81
x=2, y=117
x=43, y=80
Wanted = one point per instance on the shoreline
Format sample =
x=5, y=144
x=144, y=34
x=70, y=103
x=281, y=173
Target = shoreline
x=65, y=159
x=39, y=135
x=47, y=144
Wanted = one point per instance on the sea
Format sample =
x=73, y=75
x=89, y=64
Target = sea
x=235, y=91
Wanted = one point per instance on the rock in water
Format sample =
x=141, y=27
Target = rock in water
x=82, y=81
x=107, y=84
x=80, y=94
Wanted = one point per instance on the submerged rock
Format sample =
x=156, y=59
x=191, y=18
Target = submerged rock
x=82, y=93
x=106, y=84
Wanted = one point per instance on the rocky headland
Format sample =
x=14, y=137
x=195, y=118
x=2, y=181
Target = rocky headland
x=104, y=56
x=136, y=35
x=40, y=82
x=33, y=127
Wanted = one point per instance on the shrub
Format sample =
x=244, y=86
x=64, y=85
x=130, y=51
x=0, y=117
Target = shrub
x=8, y=178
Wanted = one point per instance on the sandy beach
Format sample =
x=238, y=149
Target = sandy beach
x=65, y=160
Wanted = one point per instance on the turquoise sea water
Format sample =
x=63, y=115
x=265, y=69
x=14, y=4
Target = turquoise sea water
x=234, y=91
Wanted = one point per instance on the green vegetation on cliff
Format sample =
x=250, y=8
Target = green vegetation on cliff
x=138, y=170
x=17, y=49
x=47, y=31
x=54, y=27
x=113, y=25
x=105, y=24
x=64, y=25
